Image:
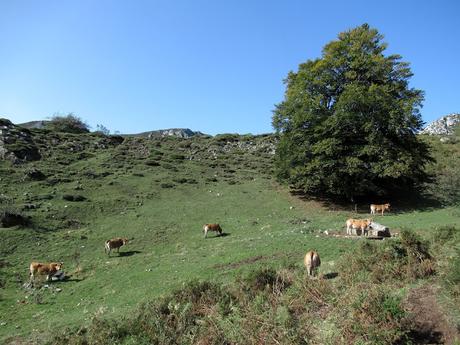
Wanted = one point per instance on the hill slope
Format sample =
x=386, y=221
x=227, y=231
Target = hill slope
x=158, y=192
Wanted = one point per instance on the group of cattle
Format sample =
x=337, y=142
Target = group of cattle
x=311, y=261
x=363, y=225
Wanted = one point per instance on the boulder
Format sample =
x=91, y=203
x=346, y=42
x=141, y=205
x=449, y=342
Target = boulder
x=16, y=143
x=379, y=230
x=59, y=275
x=9, y=219
x=34, y=174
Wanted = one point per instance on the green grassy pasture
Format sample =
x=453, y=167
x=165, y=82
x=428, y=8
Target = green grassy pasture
x=161, y=207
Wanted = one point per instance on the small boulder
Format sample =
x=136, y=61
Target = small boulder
x=379, y=230
x=34, y=174
x=70, y=197
x=59, y=275
x=10, y=218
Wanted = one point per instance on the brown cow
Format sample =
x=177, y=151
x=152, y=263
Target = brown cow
x=312, y=262
x=381, y=208
x=49, y=269
x=358, y=224
x=212, y=227
x=114, y=243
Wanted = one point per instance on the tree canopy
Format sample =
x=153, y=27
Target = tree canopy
x=349, y=120
x=68, y=123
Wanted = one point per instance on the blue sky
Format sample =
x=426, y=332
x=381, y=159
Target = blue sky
x=214, y=66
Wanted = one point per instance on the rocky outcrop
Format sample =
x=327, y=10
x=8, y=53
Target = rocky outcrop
x=171, y=132
x=443, y=126
x=10, y=218
x=16, y=143
x=34, y=124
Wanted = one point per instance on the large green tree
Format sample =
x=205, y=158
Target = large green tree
x=349, y=119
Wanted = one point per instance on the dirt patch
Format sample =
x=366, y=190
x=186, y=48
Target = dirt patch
x=429, y=324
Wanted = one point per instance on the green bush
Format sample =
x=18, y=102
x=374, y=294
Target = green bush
x=371, y=314
x=452, y=280
x=407, y=258
x=445, y=234
x=68, y=124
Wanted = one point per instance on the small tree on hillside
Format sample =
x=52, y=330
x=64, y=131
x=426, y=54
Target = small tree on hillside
x=102, y=129
x=349, y=119
x=68, y=123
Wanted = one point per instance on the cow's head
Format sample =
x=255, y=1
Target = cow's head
x=125, y=240
x=58, y=265
x=387, y=206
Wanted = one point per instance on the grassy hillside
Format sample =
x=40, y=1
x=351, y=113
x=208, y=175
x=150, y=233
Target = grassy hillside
x=159, y=193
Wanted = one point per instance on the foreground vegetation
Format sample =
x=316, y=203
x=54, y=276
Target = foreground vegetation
x=367, y=304
x=245, y=287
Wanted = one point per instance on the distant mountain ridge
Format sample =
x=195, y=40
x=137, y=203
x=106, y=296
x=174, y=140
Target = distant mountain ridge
x=443, y=126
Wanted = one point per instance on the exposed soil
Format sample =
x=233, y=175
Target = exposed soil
x=429, y=322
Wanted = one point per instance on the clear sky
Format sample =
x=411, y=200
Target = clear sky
x=215, y=66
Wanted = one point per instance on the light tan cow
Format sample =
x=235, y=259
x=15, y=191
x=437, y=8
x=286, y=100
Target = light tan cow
x=212, y=227
x=312, y=262
x=114, y=243
x=358, y=224
x=50, y=269
x=377, y=208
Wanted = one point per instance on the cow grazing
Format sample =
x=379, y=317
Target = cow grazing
x=114, y=243
x=212, y=227
x=377, y=208
x=358, y=224
x=312, y=262
x=48, y=269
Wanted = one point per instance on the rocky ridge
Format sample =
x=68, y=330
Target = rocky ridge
x=16, y=143
x=171, y=132
x=443, y=126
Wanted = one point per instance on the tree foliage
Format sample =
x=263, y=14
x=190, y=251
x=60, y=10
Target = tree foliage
x=349, y=119
x=68, y=123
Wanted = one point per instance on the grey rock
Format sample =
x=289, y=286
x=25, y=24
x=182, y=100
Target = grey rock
x=443, y=126
x=171, y=132
x=16, y=143
x=34, y=124
x=379, y=230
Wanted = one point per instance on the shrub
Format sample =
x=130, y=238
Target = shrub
x=406, y=258
x=445, y=234
x=371, y=314
x=167, y=185
x=452, y=280
x=68, y=124
x=416, y=247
